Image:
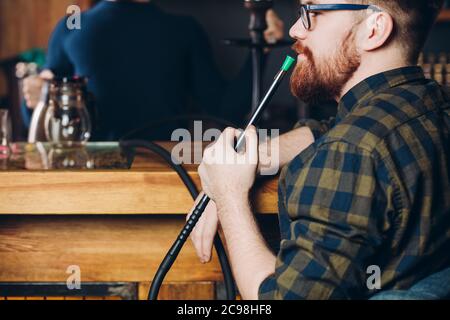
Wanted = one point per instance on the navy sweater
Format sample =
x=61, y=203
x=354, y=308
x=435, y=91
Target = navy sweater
x=143, y=65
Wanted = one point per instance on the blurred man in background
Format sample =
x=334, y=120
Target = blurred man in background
x=143, y=65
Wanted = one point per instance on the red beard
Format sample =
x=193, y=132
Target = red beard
x=314, y=82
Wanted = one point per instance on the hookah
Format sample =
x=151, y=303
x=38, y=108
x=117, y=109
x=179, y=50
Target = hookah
x=257, y=43
x=197, y=212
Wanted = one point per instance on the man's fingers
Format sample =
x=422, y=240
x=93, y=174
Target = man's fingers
x=275, y=27
x=197, y=200
x=229, y=135
x=30, y=101
x=250, y=135
x=32, y=90
x=207, y=245
x=197, y=231
x=196, y=238
x=253, y=144
x=204, y=232
x=47, y=75
x=251, y=141
x=209, y=231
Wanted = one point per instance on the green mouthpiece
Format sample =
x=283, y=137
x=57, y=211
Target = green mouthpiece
x=288, y=63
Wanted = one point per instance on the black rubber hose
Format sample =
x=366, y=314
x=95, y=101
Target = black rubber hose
x=170, y=258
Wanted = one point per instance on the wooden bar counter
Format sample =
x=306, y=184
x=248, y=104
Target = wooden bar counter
x=115, y=217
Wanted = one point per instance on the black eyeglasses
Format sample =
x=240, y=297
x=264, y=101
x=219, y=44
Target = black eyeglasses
x=306, y=9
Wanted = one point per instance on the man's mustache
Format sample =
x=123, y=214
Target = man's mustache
x=300, y=49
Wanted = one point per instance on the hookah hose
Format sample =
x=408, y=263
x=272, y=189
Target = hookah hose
x=163, y=153
x=171, y=256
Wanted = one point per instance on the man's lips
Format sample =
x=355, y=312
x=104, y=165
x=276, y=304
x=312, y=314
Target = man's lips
x=303, y=52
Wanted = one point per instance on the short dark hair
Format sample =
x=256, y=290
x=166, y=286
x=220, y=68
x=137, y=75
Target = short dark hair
x=413, y=21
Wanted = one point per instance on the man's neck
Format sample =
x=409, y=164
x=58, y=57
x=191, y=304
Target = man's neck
x=372, y=66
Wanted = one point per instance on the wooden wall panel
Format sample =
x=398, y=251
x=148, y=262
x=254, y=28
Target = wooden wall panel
x=181, y=291
x=128, y=192
x=113, y=249
x=107, y=249
x=25, y=24
x=3, y=85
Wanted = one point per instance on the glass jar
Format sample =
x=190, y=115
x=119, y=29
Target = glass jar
x=67, y=122
x=5, y=133
x=36, y=132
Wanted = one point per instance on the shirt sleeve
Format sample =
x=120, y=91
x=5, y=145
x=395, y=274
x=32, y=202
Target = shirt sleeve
x=338, y=207
x=57, y=59
x=318, y=128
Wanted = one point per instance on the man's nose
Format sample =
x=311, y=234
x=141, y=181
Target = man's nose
x=298, y=31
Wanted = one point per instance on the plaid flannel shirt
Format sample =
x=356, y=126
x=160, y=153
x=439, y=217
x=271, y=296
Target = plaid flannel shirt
x=372, y=191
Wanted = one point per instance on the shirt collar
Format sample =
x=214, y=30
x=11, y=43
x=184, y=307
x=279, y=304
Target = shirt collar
x=374, y=84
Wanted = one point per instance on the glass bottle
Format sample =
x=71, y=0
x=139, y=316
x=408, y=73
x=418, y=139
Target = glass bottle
x=36, y=132
x=67, y=120
x=5, y=133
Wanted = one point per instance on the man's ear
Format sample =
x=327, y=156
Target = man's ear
x=379, y=27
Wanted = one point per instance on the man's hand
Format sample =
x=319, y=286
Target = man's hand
x=275, y=27
x=224, y=173
x=289, y=145
x=32, y=87
x=220, y=160
x=205, y=231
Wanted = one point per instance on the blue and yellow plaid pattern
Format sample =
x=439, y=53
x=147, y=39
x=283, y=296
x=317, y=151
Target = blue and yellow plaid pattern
x=373, y=190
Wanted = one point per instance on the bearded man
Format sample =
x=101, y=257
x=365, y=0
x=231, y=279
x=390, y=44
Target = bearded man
x=367, y=190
